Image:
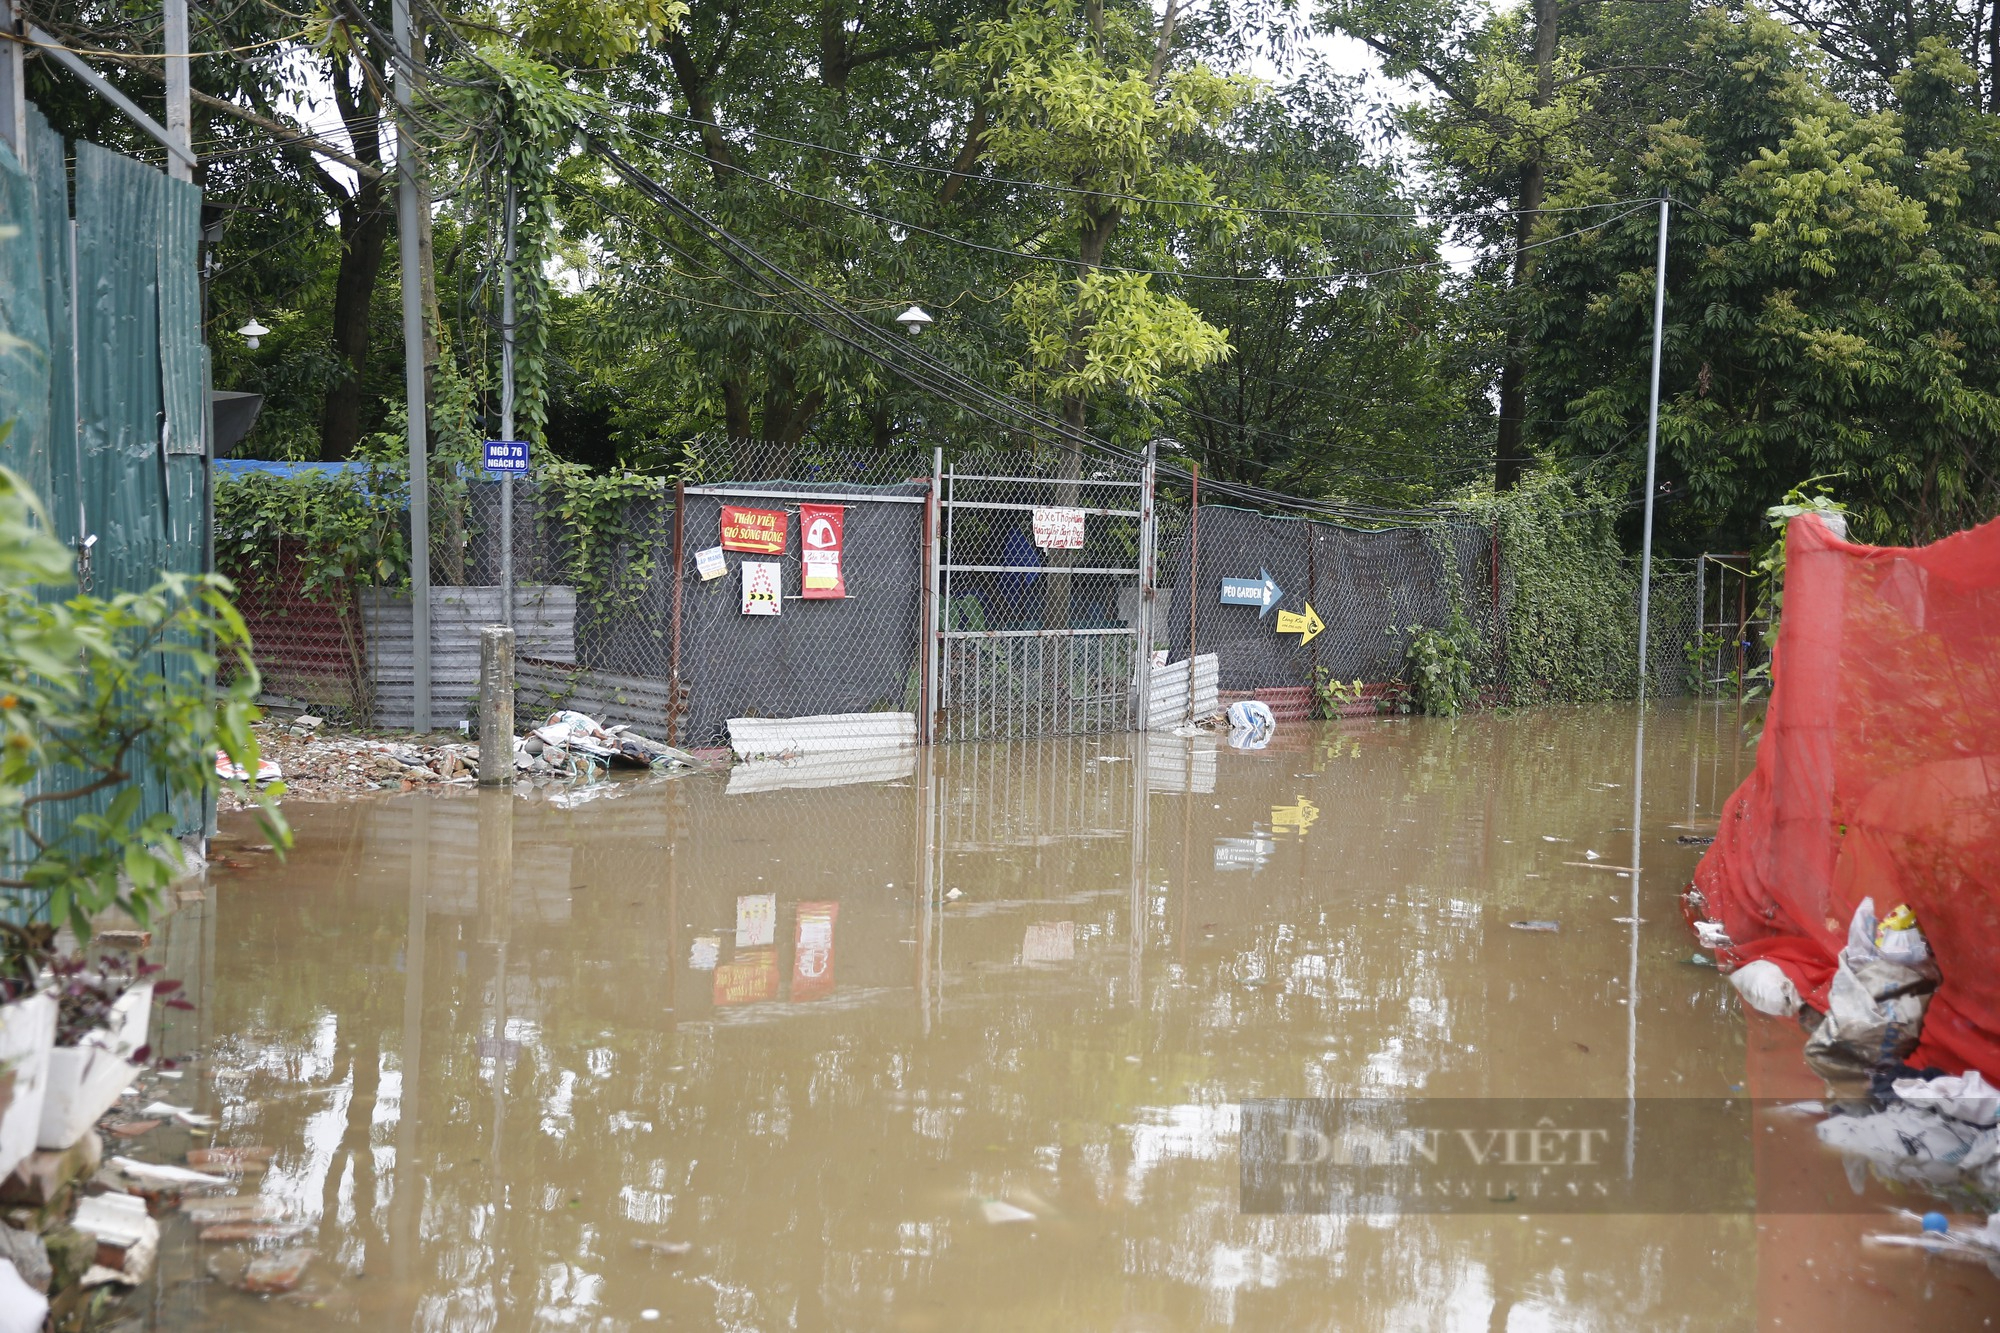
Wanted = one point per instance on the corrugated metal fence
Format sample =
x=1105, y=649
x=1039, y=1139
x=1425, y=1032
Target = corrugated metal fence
x=103, y=373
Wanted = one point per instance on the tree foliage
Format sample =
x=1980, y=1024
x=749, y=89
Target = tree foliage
x=1108, y=216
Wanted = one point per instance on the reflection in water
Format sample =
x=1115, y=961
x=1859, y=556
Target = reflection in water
x=957, y=1043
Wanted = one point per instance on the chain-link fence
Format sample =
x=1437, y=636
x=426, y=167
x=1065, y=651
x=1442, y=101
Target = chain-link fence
x=1342, y=603
x=311, y=644
x=887, y=596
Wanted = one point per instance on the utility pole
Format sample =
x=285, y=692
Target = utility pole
x=409, y=251
x=13, y=86
x=507, y=414
x=180, y=102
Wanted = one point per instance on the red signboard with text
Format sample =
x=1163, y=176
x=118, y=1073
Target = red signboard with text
x=759, y=530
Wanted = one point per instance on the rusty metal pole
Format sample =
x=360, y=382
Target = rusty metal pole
x=1499, y=634
x=925, y=641
x=1742, y=624
x=1194, y=566
x=674, y=648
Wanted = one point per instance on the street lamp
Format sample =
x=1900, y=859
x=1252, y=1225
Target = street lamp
x=913, y=320
x=252, y=332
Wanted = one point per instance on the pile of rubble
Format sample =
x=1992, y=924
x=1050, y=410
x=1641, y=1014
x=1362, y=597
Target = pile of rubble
x=322, y=768
x=564, y=747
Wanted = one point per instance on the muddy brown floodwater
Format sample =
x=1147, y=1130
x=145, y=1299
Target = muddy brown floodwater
x=956, y=1041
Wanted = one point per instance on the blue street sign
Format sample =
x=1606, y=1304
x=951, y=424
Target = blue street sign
x=507, y=456
x=1259, y=592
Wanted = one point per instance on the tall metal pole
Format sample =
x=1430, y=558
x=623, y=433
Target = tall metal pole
x=1639, y=737
x=1652, y=448
x=507, y=413
x=180, y=102
x=13, y=88
x=409, y=251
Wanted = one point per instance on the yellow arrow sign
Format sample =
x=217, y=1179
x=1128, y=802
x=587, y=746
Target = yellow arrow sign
x=1306, y=626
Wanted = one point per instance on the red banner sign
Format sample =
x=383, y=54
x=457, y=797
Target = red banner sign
x=820, y=528
x=759, y=530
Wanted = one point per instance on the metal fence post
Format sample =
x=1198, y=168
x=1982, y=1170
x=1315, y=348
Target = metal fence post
x=1142, y=629
x=1194, y=568
x=934, y=650
x=675, y=703
x=496, y=705
x=926, y=657
x=1700, y=624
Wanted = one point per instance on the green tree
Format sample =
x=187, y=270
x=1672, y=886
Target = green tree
x=1832, y=297
x=1365, y=383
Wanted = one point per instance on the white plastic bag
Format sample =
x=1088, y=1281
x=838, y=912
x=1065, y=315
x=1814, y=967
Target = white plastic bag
x=1251, y=724
x=1765, y=988
x=1969, y=1097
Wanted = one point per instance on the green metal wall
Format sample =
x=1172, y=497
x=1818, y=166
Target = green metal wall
x=102, y=367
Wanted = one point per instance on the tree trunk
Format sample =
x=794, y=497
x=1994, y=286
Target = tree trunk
x=366, y=217
x=364, y=236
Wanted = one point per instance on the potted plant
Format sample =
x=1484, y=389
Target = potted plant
x=27, y=1035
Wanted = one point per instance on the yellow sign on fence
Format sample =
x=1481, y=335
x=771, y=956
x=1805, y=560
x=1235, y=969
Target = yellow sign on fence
x=1306, y=626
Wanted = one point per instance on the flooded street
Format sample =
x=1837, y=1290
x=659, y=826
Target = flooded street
x=532, y=1063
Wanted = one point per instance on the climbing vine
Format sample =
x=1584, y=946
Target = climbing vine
x=1438, y=665
x=1569, y=594
x=610, y=535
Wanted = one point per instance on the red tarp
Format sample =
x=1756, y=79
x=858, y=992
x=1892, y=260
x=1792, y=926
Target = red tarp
x=1878, y=775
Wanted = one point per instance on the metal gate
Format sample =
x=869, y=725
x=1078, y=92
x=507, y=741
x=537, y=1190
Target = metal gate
x=1039, y=629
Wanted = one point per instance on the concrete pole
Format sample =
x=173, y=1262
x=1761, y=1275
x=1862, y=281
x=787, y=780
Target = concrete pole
x=409, y=250
x=13, y=86
x=507, y=413
x=180, y=102
x=496, y=705
x=1652, y=450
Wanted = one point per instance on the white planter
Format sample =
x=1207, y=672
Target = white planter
x=27, y=1035
x=86, y=1078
